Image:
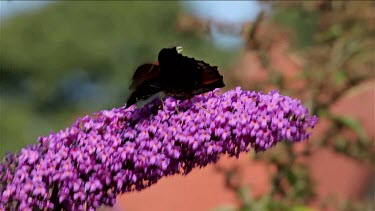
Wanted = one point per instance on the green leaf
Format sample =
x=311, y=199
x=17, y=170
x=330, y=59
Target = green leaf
x=341, y=144
x=301, y=208
x=339, y=77
x=352, y=124
x=225, y=208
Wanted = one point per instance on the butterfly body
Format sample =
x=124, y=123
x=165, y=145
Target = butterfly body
x=176, y=75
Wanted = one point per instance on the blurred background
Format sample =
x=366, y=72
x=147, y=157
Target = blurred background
x=61, y=60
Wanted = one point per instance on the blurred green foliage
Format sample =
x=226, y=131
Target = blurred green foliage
x=335, y=40
x=302, y=21
x=69, y=59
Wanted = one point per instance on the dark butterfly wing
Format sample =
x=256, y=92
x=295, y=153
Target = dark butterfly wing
x=177, y=71
x=143, y=74
x=145, y=83
x=210, y=77
x=187, y=75
x=143, y=92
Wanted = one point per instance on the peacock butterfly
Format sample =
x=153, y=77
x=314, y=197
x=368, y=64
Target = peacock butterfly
x=176, y=75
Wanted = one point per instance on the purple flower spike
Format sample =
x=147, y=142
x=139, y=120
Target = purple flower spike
x=122, y=150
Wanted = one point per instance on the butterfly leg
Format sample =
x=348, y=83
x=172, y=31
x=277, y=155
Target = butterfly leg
x=200, y=106
x=182, y=122
x=180, y=115
x=161, y=100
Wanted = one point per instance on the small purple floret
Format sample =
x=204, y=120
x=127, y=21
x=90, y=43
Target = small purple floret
x=122, y=150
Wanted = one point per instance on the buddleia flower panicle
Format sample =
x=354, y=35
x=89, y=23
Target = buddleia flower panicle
x=121, y=150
